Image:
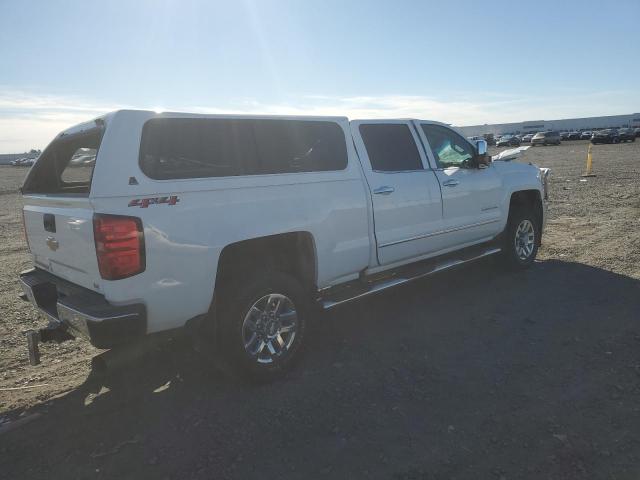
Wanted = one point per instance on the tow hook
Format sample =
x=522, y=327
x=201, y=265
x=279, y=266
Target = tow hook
x=54, y=332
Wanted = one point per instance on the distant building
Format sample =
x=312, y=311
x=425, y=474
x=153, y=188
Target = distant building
x=568, y=124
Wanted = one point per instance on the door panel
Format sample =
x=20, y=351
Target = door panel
x=407, y=206
x=470, y=199
x=470, y=196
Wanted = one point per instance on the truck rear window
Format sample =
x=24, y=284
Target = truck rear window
x=212, y=147
x=66, y=166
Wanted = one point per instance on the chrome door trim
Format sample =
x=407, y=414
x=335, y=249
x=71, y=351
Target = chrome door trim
x=441, y=232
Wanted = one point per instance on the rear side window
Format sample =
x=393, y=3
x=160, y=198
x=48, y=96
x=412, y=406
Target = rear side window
x=390, y=147
x=210, y=147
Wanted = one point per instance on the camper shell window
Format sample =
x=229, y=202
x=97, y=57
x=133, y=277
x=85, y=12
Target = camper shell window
x=66, y=166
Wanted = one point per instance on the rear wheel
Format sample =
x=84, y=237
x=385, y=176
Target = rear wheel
x=263, y=325
x=521, y=238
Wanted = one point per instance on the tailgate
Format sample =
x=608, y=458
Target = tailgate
x=60, y=235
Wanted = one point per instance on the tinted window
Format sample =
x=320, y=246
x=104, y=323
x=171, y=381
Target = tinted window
x=449, y=148
x=190, y=148
x=66, y=166
x=80, y=167
x=390, y=147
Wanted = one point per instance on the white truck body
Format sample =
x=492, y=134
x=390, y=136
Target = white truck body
x=361, y=221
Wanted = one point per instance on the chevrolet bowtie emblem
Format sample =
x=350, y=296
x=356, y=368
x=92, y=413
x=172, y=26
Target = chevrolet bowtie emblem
x=52, y=243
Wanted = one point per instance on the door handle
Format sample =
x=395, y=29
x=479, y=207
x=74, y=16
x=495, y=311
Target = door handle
x=385, y=190
x=451, y=183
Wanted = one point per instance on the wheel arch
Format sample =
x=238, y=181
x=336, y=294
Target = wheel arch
x=531, y=199
x=291, y=252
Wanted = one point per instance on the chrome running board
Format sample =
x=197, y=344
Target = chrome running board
x=356, y=291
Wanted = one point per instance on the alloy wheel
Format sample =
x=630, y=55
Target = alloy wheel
x=524, y=241
x=269, y=328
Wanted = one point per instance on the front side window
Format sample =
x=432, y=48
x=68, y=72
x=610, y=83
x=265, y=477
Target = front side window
x=390, y=147
x=449, y=148
x=174, y=148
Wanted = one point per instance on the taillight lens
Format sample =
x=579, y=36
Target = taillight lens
x=24, y=231
x=119, y=246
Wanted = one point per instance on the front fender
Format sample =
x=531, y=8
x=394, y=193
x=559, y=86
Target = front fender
x=520, y=177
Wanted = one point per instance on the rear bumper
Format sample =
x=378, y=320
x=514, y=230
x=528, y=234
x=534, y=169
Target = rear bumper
x=83, y=312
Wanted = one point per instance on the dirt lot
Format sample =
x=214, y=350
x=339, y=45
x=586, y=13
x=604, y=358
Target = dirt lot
x=472, y=374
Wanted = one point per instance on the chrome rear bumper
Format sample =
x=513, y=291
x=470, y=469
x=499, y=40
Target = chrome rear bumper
x=83, y=312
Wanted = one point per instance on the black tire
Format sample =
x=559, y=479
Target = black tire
x=240, y=299
x=512, y=258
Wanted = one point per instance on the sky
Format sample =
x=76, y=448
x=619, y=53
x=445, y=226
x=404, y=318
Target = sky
x=462, y=62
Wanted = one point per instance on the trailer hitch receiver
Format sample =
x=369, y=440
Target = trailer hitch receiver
x=54, y=332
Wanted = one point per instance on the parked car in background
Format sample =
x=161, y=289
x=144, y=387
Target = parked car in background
x=490, y=139
x=508, y=141
x=586, y=135
x=527, y=138
x=609, y=135
x=84, y=156
x=637, y=132
x=627, y=135
x=546, y=138
x=22, y=162
x=564, y=135
x=574, y=135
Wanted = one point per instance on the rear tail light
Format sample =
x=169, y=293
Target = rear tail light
x=119, y=246
x=24, y=231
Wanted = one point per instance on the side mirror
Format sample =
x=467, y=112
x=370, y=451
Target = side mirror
x=482, y=158
x=481, y=147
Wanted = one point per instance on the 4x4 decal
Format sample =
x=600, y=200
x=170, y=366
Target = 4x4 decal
x=145, y=202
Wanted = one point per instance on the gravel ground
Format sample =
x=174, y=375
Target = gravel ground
x=474, y=373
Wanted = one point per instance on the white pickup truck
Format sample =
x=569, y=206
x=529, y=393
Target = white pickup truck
x=237, y=226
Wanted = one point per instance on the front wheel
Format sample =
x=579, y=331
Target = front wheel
x=521, y=239
x=263, y=325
